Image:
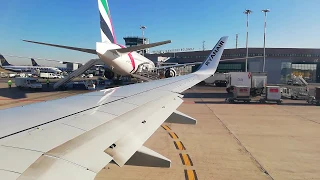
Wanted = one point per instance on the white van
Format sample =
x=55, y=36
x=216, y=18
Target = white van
x=48, y=75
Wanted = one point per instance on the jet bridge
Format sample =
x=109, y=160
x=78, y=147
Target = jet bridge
x=76, y=73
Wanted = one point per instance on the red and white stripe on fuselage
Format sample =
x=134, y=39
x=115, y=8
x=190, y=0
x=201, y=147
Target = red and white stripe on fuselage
x=131, y=59
x=119, y=63
x=137, y=59
x=122, y=64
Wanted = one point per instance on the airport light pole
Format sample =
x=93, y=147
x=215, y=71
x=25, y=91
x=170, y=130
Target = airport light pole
x=203, y=47
x=247, y=12
x=143, y=28
x=237, y=41
x=264, y=38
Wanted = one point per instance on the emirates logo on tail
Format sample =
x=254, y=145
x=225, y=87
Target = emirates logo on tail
x=214, y=52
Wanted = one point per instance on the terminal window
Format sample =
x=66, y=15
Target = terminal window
x=230, y=66
x=307, y=71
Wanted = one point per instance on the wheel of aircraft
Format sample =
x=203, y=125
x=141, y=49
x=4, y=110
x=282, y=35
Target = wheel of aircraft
x=109, y=74
x=170, y=73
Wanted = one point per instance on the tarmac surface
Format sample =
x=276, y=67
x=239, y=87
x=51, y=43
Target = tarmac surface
x=229, y=141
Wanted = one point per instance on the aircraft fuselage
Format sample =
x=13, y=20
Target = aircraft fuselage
x=122, y=63
x=31, y=68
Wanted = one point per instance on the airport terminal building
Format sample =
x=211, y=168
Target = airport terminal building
x=280, y=62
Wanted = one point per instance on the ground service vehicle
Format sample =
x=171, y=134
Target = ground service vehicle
x=219, y=79
x=257, y=81
x=26, y=82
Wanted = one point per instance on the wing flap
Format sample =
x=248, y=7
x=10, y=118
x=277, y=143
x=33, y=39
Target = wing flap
x=146, y=97
x=51, y=168
x=118, y=108
x=13, y=162
x=133, y=140
x=148, y=158
x=87, y=149
x=8, y=175
x=95, y=119
x=47, y=135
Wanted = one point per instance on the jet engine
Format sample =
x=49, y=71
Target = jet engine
x=108, y=74
x=170, y=73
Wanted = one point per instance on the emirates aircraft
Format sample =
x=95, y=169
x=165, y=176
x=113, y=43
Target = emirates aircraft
x=120, y=59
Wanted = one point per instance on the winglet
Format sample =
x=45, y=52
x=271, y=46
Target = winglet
x=209, y=66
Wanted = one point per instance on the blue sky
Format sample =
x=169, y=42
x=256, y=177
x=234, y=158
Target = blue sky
x=291, y=23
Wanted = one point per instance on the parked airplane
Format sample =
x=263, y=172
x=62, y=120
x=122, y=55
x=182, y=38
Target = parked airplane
x=121, y=60
x=7, y=66
x=34, y=63
x=77, y=136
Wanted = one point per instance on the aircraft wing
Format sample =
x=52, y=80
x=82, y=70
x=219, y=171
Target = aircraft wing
x=75, y=137
x=46, y=59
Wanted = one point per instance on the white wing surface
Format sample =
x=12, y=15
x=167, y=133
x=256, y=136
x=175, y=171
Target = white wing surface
x=75, y=137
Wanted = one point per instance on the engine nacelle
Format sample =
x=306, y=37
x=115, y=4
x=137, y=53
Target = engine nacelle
x=108, y=74
x=170, y=73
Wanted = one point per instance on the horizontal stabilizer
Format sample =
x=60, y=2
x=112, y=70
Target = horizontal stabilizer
x=148, y=158
x=180, y=118
x=91, y=51
x=140, y=47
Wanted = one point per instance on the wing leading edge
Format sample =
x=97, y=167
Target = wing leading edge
x=85, y=132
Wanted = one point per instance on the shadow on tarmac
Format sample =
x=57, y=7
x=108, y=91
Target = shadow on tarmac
x=302, y=103
x=205, y=95
x=210, y=102
x=16, y=93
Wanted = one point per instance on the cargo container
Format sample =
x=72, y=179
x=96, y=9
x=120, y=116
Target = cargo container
x=273, y=94
x=240, y=93
x=317, y=94
x=255, y=80
x=316, y=98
